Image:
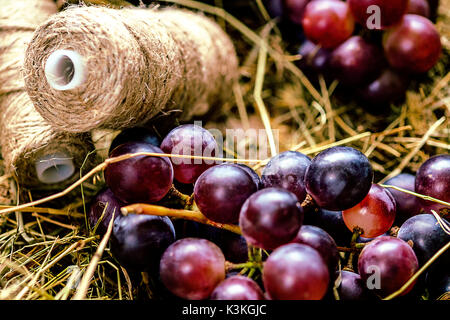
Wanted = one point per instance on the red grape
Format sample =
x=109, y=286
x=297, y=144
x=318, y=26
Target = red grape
x=419, y=7
x=106, y=204
x=139, y=179
x=191, y=268
x=355, y=61
x=287, y=170
x=390, y=11
x=237, y=288
x=426, y=234
x=295, y=272
x=407, y=204
x=389, y=259
x=433, y=179
x=328, y=22
x=270, y=217
x=374, y=215
x=191, y=140
x=321, y=241
x=339, y=178
x=221, y=191
x=138, y=241
x=414, y=45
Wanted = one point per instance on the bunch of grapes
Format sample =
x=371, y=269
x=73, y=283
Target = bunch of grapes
x=299, y=223
x=373, y=47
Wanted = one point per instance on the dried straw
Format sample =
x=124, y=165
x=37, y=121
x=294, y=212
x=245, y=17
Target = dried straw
x=137, y=64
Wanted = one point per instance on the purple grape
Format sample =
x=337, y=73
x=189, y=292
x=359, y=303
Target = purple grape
x=139, y=179
x=426, y=234
x=191, y=268
x=237, y=288
x=190, y=140
x=314, y=58
x=321, y=241
x=221, y=191
x=339, y=178
x=389, y=87
x=433, y=179
x=287, y=170
x=295, y=9
x=138, y=241
x=390, y=11
x=105, y=202
x=271, y=217
x=407, y=204
x=419, y=7
x=352, y=287
x=356, y=61
x=138, y=134
x=252, y=173
x=295, y=272
x=389, y=259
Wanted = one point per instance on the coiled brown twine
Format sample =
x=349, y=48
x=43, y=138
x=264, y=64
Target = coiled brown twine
x=26, y=138
x=137, y=63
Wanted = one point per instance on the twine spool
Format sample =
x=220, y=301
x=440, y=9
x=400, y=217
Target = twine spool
x=95, y=67
x=33, y=151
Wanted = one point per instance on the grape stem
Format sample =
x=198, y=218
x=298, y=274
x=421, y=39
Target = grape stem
x=353, y=245
x=417, y=194
x=154, y=210
x=246, y=265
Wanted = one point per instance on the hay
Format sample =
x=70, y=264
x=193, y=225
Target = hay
x=273, y=93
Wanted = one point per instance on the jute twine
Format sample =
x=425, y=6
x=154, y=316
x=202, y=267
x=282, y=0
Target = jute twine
x=139, y=62
x=25, y=135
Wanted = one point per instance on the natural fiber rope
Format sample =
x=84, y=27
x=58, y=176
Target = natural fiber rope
x=25, y=135
x=140, y=62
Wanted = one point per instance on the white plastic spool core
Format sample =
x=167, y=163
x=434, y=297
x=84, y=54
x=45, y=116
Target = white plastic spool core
x=54, y=168
x=65, y=70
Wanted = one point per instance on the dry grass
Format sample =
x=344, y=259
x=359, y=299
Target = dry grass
x=45, y=251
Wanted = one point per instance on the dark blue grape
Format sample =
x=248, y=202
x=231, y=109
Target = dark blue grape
x=339, y=178
x=332, y=222
x=426, y=234
x=138, y=241
x=138, y=134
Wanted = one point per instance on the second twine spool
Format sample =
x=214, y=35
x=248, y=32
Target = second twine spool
x=94, y=67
